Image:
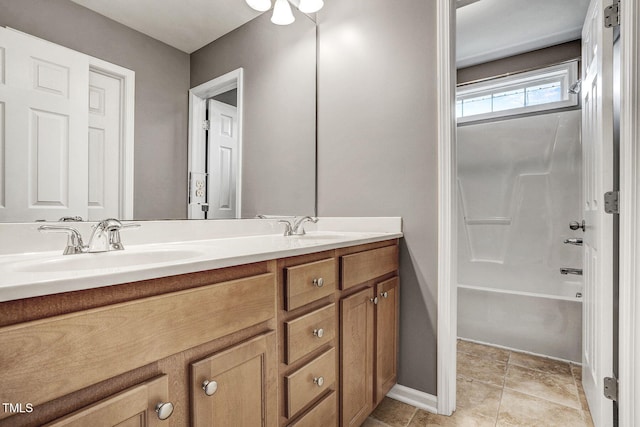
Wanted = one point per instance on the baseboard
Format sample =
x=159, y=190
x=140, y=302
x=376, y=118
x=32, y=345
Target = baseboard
x=414, y=397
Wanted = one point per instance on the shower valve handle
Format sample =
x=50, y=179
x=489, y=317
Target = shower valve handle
x=574, y=225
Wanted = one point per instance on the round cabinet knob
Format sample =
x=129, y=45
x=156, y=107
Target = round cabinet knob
x=318, y=332
x=319, y=381
x=164, y=410
x=384, y=294
x=374, y=300
x=319, y=282
x=210, y=387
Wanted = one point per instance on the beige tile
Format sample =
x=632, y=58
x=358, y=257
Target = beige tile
x=372, y=422
x=485, y=351
x=482, y=398
x=518, y=409
x=393, y=412
x=588, y=420
x=481, y=369
x=556, y=388
x=460, y=418
x=540, y=363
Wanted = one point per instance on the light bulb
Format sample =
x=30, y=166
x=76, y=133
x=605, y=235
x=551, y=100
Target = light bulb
x=310, y=6
x=259, y=5
x=282, y=14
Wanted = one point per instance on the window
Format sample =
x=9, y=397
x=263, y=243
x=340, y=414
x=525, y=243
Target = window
x=543, y=89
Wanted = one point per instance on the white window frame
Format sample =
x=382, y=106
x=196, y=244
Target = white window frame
x=566, y=73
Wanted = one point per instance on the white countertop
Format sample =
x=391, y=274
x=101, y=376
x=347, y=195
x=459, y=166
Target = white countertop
x=30, y=274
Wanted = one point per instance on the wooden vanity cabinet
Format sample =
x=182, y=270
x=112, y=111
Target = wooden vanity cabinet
x=306, y=341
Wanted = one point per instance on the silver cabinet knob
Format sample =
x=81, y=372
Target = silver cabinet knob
x=374, y=300
x=319, y=381
x=164, y=410
x=318, y=332
x=319, y=282
x=384, y=294
x=210, y=387
x=574, y=225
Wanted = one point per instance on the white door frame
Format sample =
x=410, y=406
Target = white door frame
x=629, y=334
x=629, y=389
x=197, y=114
x=447, y=209
x=127, y=128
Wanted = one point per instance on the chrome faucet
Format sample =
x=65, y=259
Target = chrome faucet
x=106, y=236
x=287, y=226
x=297, y=229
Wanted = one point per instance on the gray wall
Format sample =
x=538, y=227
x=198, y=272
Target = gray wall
x=526, y=61
x=162, y=84
x=377, y=147
x=278, y=176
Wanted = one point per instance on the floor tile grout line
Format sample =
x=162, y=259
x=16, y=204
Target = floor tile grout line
x=544, y=398
x=412, y=417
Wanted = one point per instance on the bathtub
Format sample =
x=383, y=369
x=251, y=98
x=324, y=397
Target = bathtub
x=519, y=184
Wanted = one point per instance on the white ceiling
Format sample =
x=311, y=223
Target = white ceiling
x=184, y=24
x=487, y=30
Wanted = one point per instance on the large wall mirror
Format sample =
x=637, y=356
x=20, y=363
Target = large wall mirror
x=128, y=56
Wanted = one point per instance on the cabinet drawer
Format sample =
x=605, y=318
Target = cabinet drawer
x=309, y=282
x=310, y=381
x=322, y=415
x=307, y=333
x=362, y=266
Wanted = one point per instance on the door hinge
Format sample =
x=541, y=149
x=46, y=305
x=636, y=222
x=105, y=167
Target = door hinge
x=206, y=125
x=612, y=202
x=611, y=388
x=612, y=15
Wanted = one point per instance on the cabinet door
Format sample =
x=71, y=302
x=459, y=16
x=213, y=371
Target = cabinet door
x=241, y=387
x=386, y=337
x=135, y=407
x=357, y=357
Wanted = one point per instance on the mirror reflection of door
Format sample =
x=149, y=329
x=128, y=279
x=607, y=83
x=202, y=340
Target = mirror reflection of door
x=222, y=157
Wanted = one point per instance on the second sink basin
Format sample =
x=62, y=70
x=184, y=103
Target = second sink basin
x=96, y=261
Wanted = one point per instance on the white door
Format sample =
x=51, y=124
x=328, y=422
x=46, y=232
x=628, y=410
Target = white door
x=43, y=96
x=223, y=165
x=105, y=145
x=597, y=140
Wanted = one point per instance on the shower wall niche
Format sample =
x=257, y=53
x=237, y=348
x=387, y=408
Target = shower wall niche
x=519, y=184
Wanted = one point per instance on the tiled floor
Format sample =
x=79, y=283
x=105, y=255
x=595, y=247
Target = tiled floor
x=500, y=388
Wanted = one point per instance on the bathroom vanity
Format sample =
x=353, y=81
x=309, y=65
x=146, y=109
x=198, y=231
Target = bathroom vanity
x=279, y=331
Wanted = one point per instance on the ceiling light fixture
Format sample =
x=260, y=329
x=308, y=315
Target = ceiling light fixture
x=282, y=13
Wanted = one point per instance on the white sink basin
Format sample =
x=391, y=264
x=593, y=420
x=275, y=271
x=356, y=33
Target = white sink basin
x=96, y=261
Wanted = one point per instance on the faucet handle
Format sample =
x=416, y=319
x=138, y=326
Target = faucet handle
x=75, y=245
x=288, y=230
x=115, y=244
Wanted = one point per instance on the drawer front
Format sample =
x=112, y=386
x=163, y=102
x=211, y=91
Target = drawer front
x=363, y=266
x=310, y=381
x=324, y=414
x=309, y=332
x=309, y=282
x=45, y=352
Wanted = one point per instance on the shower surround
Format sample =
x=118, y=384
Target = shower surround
x=519, y=187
